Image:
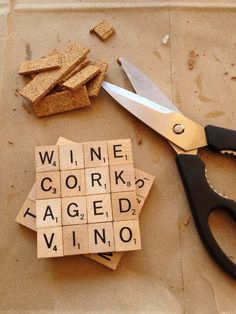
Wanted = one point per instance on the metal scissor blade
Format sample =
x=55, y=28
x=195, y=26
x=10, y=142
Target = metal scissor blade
x=146, y=87
x=159, y=118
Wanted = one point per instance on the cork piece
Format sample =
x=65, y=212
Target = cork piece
x=41, y=84
x=43, y=64
x=94, y=85
x=103, y=30
x=82, y=77
x=61, y=102
x=79, y=67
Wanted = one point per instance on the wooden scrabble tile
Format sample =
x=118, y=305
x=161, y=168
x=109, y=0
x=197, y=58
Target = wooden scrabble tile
x=94, y=85
x=32, y=193
x=72, y=183
x=97, y=180
x=140, y=201
x=42, y=83
x=120, y=152
x=74, y=210
x=46, y=158
x=122, y=178
x=75, y=239
x=99, y=208
x=61, y=102
x=63, y=141
x=27, y=215
x=43, y=64
x=82, y=77
x=48, y=185
x=49, y=242
x=143, y=182
x=110, y=259
x=48, y=213
x=127, y=235
x=95, y=154
x=101, y=237
x=124, y=205
x=103, y=30
x=71, y=156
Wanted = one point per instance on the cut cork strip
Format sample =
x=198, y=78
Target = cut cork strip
x=61, y=102
x=82, y=77
x=42, y=83
x=43, y=64
x=79, y=67
x=103, y=30
x=94, y=85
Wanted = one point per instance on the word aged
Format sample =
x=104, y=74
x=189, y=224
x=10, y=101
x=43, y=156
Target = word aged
x=86, y=199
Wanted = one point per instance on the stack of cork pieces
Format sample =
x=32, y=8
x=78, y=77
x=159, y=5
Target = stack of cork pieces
x=63, y=80
x=87, y=200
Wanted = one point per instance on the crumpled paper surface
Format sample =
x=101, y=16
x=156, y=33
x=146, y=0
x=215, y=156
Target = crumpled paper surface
x=172, y=273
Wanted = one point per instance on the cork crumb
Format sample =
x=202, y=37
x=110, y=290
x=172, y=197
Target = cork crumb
x=186, y=220
x=118, y=61
x=26, y=107
x=9, y=142
x=103, y=30
x=192, y=59
x=138, y=133
x=233, y=78
x=17, y=92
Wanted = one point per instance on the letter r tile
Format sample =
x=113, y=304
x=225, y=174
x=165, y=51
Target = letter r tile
x=97, y=180
x=46, y=158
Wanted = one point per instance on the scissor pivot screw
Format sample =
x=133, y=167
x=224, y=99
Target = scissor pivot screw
x=178, y=129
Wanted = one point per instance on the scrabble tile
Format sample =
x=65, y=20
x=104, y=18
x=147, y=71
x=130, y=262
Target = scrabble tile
x=120, y=152
x=124, y=205
x=27, y=215
x=75, y=239
x=140, y=201
x=109, y=259
x=143, y=182
x=99, y=208
x=101, y=237
x=48, y=185
x=71, y=156
x=32, y=193
x=72, y=183
x=95, y=154
x=49, y=242
x=74, y=210
x=97, y=180
x=46, y=158
x=48, y=213
x=122, y=178
x=127, y=235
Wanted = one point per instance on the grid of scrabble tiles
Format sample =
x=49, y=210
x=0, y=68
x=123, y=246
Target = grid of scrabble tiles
x=85, y=199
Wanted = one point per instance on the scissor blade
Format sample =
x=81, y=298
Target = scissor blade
x=146, y=87
x=159, y=118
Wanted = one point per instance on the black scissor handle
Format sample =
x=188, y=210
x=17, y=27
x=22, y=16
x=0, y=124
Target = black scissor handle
x=203, y=200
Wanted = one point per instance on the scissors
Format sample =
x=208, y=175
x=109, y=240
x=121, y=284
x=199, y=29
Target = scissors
x=152, y=106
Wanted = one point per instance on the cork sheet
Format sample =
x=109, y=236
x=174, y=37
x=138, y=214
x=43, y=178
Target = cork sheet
x=172, y=273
